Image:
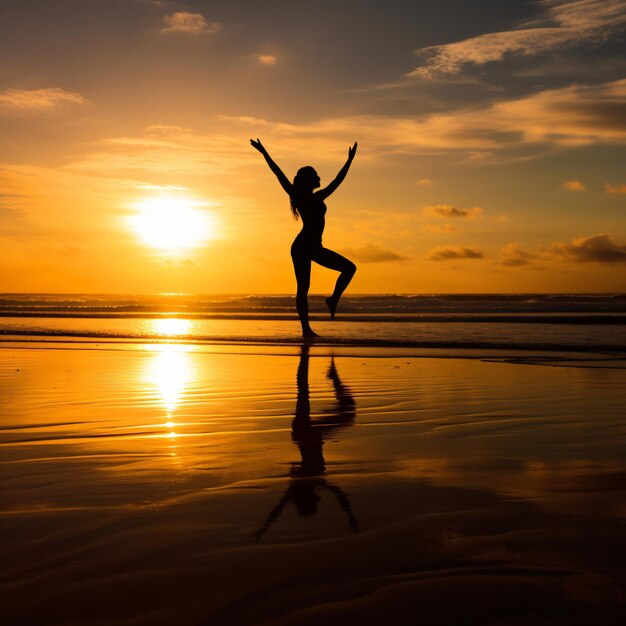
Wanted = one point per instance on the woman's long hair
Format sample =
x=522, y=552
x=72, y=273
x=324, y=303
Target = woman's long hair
x=301, y=185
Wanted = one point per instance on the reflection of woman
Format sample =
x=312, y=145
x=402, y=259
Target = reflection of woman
x=307, y=246
x=307, y=476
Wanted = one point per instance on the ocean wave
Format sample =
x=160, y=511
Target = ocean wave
x=381, y=304
x=494, y=318
x=38, y=335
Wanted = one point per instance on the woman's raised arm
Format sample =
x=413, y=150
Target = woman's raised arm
x=324, y=193
x=282, y=179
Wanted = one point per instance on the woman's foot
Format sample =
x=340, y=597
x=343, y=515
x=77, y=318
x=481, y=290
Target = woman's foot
x=309, y=334
x=332, y=305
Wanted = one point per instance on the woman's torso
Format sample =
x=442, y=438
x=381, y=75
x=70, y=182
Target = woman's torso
x=312, y=211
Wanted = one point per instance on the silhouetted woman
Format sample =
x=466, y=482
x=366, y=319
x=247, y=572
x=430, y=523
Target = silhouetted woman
x=307, y=246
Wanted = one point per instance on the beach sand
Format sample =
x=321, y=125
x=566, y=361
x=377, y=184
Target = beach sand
x=166, y=484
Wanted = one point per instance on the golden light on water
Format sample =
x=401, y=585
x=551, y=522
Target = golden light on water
x=172, y=223
x=171, y=326
x=171, y=371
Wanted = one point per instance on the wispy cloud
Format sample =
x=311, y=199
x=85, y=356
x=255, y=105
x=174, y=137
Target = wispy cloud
x=513, y=255
x=449, y=253
x=562, y=24
x=165, y=129
x=528, y=126
x=425, y=182
x=39, y=98
x=266, y=59
x=615, y=190
x=574, y=185
x=449, y=211
x=372, y=253
x=163, y=150
x=191, y=23
x=439, y=228
x=600, y=248
x=53, y=200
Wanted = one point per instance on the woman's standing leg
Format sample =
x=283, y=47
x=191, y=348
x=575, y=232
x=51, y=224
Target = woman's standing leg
x=302, y=268
x=334, y=261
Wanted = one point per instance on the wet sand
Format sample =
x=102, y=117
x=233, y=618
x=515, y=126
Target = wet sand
x=165, y=484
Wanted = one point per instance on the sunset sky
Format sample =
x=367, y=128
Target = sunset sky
x=491, y=143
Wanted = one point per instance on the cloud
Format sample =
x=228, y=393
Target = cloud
x=499, y=218
x=595, y=249
x=8, y=196
x=164, y=151
x=266, y=59
x=424, y=182
x=513, y=255
x=51, y=203
x=574, y=185
x=372, y=253
x=522, y=127
x=39, y=98
x=439, y=228
x=569, y=116
x=193, y=23
x=562, y=24
x=14, y=223
x=615, y=190
x=449, y=211
x=166, y=129
x=448, y=253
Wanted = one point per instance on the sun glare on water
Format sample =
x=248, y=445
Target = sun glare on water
x=172, y=224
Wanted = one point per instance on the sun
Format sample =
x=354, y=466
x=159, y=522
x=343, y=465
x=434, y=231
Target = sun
x=172, y=223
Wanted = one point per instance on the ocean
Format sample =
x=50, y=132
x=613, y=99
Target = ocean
x=572, y=322
x=186, y=460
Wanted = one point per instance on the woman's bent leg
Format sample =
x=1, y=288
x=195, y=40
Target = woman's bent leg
x=302, y=268
x=334, y=261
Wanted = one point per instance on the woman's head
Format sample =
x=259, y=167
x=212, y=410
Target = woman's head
x=305, y=181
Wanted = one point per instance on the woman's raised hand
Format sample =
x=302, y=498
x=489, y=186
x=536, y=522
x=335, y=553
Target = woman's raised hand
x=258, y=145
x=352, y=151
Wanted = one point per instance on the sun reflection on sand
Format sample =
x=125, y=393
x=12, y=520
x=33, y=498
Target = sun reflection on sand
x=171, y=371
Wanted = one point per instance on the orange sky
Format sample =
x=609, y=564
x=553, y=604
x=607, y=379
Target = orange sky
x=490, y=160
